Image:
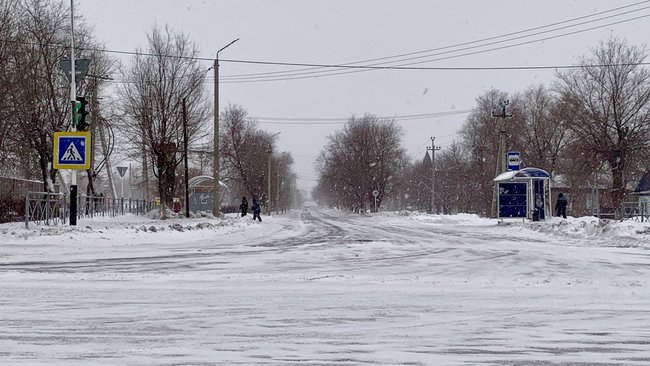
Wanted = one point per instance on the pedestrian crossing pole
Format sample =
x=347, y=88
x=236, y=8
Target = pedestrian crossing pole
x=73, y=101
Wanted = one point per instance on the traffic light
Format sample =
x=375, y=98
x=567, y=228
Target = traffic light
x=81, y=113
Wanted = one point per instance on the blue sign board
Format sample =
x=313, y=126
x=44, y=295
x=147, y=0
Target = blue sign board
x=71, y=150
x=513, y=199
x=514, y=160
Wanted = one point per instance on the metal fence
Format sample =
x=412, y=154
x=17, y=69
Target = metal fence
x=638, y=211
x=54, y=208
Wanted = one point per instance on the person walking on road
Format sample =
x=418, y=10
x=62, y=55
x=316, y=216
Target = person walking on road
x=560, y=205
x=256, y=209
x=244, y=206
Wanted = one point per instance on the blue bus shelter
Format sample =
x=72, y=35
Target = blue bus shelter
x=524, y=193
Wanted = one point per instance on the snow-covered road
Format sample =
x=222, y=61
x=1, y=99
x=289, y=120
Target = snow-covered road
x=325, y=288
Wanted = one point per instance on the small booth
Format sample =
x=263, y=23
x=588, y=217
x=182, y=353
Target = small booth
x=201, y=193
x=524, y=193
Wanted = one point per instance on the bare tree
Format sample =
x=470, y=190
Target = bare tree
x=159, y=79
x=544, y=133
x=101, y=65
x=363, y=157
x=416, y=190
x=452, y=186
x=607, y=107
x=480, y=139
x=245, y=153
x=285, y=182
x=40, y=93
x=8, y=35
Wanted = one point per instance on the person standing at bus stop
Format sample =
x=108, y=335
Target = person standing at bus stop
x=560, y=205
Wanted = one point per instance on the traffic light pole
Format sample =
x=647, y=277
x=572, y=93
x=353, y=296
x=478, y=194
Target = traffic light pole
x=73, y=99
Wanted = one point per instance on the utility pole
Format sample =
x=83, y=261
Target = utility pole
x=185, y=142
x=107, y=157
x=145, y=174
x=433, y=149
x=73, y=100
x=216, y=203
x=277, y=187
x=269, y=151
x=268, y=180
x=500, y=112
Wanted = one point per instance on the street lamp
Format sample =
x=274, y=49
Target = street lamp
x=216, y=203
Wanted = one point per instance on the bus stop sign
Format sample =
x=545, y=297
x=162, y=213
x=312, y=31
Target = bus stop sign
x=514, y=160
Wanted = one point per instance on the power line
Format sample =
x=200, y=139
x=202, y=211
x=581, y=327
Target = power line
x=464, y=43
x=407, y=67
x=343, y=120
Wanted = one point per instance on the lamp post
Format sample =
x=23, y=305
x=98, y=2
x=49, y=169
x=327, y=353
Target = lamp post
x=216, y=203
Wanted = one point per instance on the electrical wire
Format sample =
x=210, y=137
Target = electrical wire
x=407, y=66
x=236, y=76
x=403, y=66
x=343, y=120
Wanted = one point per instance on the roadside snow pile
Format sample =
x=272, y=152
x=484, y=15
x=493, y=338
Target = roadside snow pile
x=461, y=218
x=627, y=233
x=110, y=227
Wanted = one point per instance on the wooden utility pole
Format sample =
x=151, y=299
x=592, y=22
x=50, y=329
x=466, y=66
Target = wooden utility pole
x=500, y=113
x=94, y=109
x=433, y=148
x=185, y=151
x=145, y=174
x=268, y=180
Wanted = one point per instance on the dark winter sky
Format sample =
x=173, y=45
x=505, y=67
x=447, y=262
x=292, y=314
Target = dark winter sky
x=539, y=33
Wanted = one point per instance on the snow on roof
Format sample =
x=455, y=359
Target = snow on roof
x=525, y=173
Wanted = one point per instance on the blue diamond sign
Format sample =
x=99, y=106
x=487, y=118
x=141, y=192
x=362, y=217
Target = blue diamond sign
x=71, y=150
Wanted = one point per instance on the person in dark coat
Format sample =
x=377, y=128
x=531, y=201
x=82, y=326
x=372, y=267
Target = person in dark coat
x=244, y=206
x=560, y=205
x=256, y=209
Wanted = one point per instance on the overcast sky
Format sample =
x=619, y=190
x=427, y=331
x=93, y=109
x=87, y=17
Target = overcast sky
x=341, y=32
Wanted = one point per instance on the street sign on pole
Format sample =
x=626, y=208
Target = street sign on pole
x=81, y=69
x=122, y=170
x=72, y=150
x=375, y=193
x=513, y=159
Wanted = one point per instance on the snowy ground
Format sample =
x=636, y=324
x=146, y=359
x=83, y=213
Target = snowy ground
x=326, y=288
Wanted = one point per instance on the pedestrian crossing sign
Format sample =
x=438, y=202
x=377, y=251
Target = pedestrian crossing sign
x=72, y=150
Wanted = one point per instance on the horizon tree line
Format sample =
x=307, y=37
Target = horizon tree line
x=591, y=127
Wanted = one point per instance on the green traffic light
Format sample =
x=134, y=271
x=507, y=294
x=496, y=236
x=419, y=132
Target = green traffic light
x=80, y=114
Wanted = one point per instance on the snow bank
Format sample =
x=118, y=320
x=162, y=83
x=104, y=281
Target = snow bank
x=132, y=228
x=142, y=229
x=586, y=230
